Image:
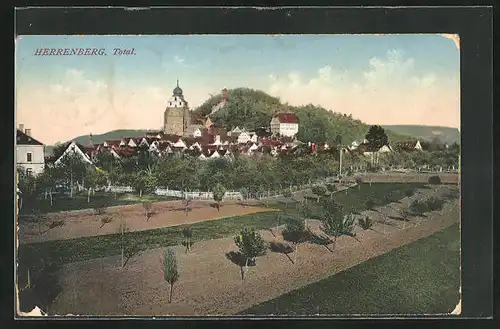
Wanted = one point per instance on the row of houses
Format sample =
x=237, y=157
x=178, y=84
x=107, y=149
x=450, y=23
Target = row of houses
x=210, y=143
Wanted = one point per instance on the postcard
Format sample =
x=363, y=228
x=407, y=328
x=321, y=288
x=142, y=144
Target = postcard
x=238, y=175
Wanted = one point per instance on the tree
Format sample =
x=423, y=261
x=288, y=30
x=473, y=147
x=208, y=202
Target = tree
x=187, y=202
x=434, y=180
x=331, y=224
x=218, y=193
x=405, y=215
x=332, y=188
x=320, y=190
x=92, y=179
x=305, y=212
x=376, y=137
x=187, y=233
x=359, y=181
x=295, y=232
x=148, y=212
x=170, y=270
x=251, y=244
x=72, y=169
x=122, y=241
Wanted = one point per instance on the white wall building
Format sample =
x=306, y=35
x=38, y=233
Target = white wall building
x=284, y=124
x=29, y=152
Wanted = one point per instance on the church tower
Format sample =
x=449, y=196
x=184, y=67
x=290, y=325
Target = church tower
x=177, y=117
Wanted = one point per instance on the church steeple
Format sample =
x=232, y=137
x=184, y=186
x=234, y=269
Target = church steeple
x=177, y=90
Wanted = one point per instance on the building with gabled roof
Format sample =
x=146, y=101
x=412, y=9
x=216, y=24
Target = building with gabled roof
x=30, y=153
x=284, y=124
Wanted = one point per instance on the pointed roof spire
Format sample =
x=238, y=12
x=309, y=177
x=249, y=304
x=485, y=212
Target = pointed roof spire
x=177, y=82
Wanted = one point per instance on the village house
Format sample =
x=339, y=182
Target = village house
x=75, y=149
x=284, y=124
x=29, y=152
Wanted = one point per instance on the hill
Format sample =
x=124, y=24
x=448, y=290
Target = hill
x=251, y=109
x=444, y=134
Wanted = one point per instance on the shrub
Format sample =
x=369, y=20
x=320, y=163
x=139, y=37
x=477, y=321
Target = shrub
x=434, y=180
x=295, y=232
x=99, y=209
x=370, y=204
x=349, y=224
x=419, y=207
x=434, y=203
x=409, y=192
x=365, y=223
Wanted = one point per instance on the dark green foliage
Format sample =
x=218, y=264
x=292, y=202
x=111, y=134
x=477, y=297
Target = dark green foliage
x=331, y=188
x=218, y=192
x=370, y=203
x=252, y=109
x=295, y=230
x=419, y=207
x=320, y=190
x=250, y=243
x=409, y=192
x=376, y=137
x=434, y=203
x=99, y=208
x=434, y=180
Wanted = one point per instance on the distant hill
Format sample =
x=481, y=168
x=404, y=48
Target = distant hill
x=98, y=139
x=444, y=134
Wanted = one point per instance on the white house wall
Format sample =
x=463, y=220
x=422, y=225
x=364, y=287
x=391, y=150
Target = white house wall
x=37, y=163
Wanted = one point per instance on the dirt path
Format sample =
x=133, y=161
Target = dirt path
x=210, y=284
x=168, y=213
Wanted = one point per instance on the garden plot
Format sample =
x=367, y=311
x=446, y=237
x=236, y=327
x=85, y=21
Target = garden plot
x=210, y=284
x=68, y=225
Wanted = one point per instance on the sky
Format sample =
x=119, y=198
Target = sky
x=379, y=79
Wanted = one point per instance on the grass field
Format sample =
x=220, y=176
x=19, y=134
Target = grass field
x=79, y=201
x=79, y=249
x=420, y=278
x=355, y=198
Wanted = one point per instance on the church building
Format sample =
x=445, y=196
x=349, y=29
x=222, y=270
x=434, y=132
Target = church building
x=177, y=117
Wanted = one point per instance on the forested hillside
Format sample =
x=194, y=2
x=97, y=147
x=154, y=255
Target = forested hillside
x=251, y=109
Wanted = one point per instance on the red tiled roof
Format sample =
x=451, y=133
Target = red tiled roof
x=287, y=118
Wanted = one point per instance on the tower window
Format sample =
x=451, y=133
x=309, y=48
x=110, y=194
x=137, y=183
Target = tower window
x=29, y=157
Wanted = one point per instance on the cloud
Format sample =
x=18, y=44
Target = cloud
x=454, y=37
x=179, y=60
x=389, y=91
